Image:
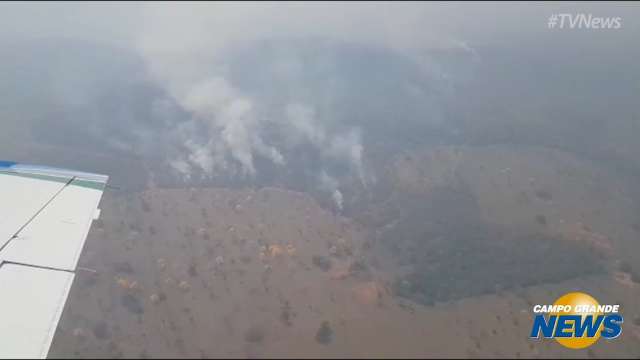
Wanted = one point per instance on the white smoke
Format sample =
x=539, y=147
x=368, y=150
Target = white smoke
x=345, y=146
x=330, y=184
x=232, y=126
x=234, y=133
x=304, y=125
x=338, y=199
x=186, y=48
x=181, y=167
x=349, y=146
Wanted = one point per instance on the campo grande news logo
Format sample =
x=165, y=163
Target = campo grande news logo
x=576, y=320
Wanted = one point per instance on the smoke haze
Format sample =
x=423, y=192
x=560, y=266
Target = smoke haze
x=201, y=92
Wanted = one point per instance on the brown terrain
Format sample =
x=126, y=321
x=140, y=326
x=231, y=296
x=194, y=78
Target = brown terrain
x=446, y=260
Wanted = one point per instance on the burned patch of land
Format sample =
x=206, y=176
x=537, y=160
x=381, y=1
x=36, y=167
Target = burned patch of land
x=484, y=264
x=451, y=253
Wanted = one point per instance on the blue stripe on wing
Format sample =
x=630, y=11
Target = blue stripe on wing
x=7, y=164
x=50, y=171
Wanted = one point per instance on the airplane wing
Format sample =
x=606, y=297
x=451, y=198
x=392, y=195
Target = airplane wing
x=45, y=216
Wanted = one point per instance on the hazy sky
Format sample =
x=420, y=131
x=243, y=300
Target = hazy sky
x=187, y=50
x=408, y=24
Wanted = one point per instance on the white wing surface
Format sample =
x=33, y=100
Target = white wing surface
x=45, y=216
